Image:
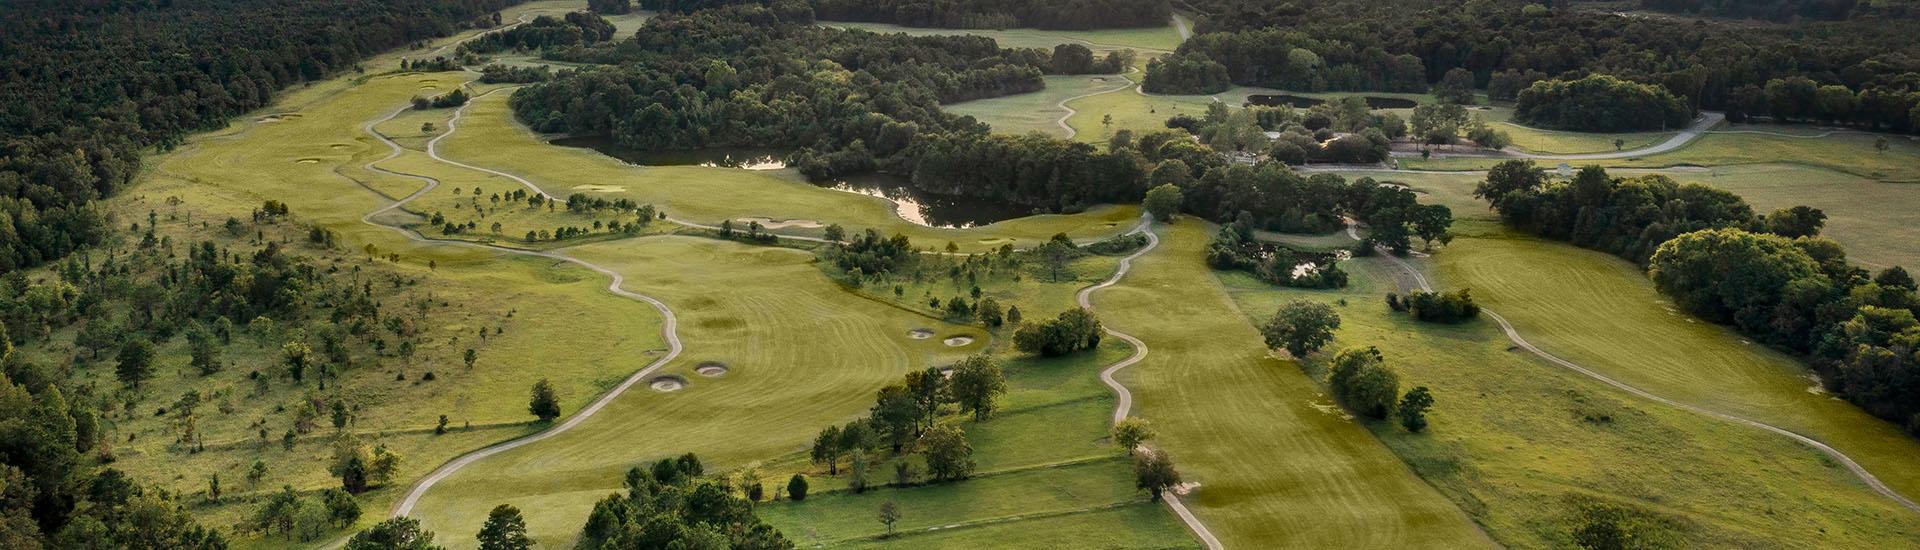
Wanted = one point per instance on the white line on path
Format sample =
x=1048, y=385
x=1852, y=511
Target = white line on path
x=1858, y=471
x=1125, y=405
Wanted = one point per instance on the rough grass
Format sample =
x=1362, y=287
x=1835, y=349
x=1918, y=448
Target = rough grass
x=1519, y=443
x=1550, y=142
x=1850, y=152
x=1277, y=467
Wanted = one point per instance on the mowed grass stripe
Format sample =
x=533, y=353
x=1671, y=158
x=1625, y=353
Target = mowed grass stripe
x=1275, y=471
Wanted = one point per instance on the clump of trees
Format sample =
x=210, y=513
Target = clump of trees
x=671, y=506
x=1073, y=330
x=574, y=29
x=1436, y=307
x=1185, y=74
x=906, y=417
x=1360, y=378
x=1343, y=131
x=1628, y=217
x=1600, y=103
x=992, y=14
x=1234, y=247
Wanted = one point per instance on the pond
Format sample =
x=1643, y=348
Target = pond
x=1301, y=102
x=913, y=205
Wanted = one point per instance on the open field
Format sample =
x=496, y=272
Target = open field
x=489, y=136
x=1521, y=444
x=1554, y=142
x=1037, y=111
x=1162, y=39
x=1277, y=466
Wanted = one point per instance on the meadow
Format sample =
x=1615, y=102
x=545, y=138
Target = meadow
x=1524, y=446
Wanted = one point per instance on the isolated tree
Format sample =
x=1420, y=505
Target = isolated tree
x=353, y=476
x=136, y=362
x=295, y=355
x=1055, y=255
x=1013, y=315
x=1413, y=408
x=897, y=412
x=826, y=449
x=797, y=487
x=544, y=404
x=204, y=352
x=1164, y=201
x=949, y=456
x=889, y=515
x=976, y=382
x=1301, y=327
x=400, y=533
x=1154, y=472
x=470, y=356
x=1130, y=433
x=504, y=530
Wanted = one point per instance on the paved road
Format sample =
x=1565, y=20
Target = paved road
x=1858, y=471
x=1125, y=405
x=667, y=330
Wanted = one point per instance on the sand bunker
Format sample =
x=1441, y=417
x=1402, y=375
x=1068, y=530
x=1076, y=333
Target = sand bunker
x=277, y=118
x=339, y=146
x=957, y=341
x=308, y=161
x=429, y=87
x=920, y=333
x=770, y=223
x=711, y=369
x=667, y=383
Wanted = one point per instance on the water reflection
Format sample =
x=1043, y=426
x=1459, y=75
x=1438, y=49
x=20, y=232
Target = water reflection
x=913, y=205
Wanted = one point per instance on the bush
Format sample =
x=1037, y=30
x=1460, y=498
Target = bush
x=1437, y=307
x=1074, y=330
x=1360, y=378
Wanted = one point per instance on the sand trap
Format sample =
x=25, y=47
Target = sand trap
x=667, y=383
x=277, y=118
x=600, y=188
x=770, y=223
x=308, y=161
x=920, y=333
x=429, y=87
x=957, y=341
x=339, y=146
x=711, y=369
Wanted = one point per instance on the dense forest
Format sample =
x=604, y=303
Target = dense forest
x=574, y=29
x=1599, y=103
x=967, y=14
x=1782, y=10
x=1745, y=70
x=1772, y=276
x=91, y=85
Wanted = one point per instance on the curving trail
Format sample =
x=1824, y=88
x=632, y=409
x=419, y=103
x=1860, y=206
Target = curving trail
x=1125, y=405
x=668, y=329
x=1071, y=132
x=1858, y=471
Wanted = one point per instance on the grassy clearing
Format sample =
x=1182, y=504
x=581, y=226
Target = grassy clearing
x=1036, y=111
x=1162, y=39
x=1278, y=466
x=1554, y=142
x=489, y=136
x=1521, y=444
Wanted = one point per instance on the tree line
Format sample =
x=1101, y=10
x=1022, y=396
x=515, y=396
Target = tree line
x=1771, y=277
x=1600, y=103
x=1708, y=64
x=1000, y=14
x=92, y=86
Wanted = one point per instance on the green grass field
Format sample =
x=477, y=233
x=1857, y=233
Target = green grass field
x=1847, y=152
x=1519, y=443
x=1036, y=111
x=1278, y=465
x=1548, y=142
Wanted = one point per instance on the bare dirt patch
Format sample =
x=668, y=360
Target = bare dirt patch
x=957, y=341
x=920, y=333
x=669, y=383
